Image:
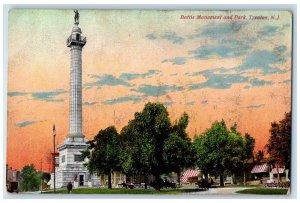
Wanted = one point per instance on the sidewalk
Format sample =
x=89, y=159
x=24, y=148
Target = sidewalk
x=219, y=191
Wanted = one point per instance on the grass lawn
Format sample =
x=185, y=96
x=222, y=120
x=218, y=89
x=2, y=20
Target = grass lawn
x=263, y=191
x=122, y=191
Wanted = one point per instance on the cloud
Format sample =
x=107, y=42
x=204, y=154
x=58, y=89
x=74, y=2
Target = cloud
x=208, y=72
x=151, y=90
x=268, y=30
x=131, y=76
x=169, y=36
x=48, y=96
x=151, y=36
x=189, y=103
x=263, y=59
x=212, y=30
x=173, y=37
x=258, y=82
x=285, y=81
x=218, y=30
x=176, y=60
x=14, y=94
x=271, y=30
x=27, y=123
x=105, y=80
x=168, y=103
x=220, y=50
x=219, y=81
x=89, y=103
x=254, y=106
x=122, y=80
x=128, y=98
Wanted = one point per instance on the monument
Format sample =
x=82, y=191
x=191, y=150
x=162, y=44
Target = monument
x=71, y=167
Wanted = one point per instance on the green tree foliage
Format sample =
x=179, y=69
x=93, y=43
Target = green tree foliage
x=143, y=140
x=30, y=178
x=279, y=144
x=221, y=150
x=249, y=146
x=46, y=176
x=103, y=153
x=179, y=153
x=259, y=156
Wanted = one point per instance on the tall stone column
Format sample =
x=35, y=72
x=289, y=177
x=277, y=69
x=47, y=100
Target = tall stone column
x=76, y=41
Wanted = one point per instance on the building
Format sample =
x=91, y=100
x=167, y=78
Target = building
x=70, y=167
x=12, y=179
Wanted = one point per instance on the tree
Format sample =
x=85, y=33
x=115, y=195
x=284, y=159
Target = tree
x=179, y=153
x=46, y=176
x=30, y=178
x=279, y=143
x=249, y=143
x=259, y=156
x=220, y=150
x=249, y=146
x=143, y=141
x=235, y=151
x=103, y=153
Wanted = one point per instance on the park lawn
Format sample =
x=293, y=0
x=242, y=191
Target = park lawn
x=263, y=191
x=123, y=191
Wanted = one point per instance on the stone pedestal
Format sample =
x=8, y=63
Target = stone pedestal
x=271, y=180
x=287, y=175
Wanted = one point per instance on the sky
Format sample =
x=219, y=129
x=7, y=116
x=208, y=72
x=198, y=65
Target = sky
x=238, y=70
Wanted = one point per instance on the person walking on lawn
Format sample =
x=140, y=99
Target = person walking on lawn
x=69, y=187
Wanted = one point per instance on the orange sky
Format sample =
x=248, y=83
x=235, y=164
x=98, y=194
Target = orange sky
x=212, y=69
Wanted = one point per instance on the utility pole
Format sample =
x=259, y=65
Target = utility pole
x=41, y=175
x=54, y=134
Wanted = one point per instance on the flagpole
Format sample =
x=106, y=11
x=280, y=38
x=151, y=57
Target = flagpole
x=54, y=134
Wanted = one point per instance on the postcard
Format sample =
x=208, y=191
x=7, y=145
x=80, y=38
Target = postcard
x=164, y=102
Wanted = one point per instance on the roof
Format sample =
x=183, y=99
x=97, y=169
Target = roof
x=188, y=174
x=260, y=168
x=281, y=170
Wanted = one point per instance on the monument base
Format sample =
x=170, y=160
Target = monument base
x=71, y=168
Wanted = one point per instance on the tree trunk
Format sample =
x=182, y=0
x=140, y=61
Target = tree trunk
x=179, y=177
x=221, y=180
x=158, y=182
x=146, y=181
x=278, y=178
x=206, y=176
x=157, y=177
x=109, y=180
x=244, y=177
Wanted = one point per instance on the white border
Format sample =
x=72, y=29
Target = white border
x=152, y=4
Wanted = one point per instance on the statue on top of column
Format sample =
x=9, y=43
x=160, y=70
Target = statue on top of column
x=76, y=17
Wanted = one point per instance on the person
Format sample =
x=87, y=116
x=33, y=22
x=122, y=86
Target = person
x=69, y=187
x=124, y=185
